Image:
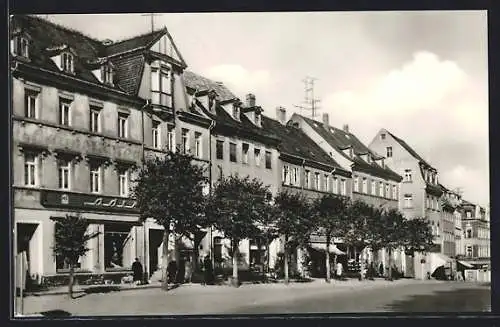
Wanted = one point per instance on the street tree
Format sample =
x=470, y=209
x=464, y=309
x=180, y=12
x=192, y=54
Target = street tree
x=418, y=236
x=330, y=216
x=392, y=233
x=236, y=207
x=71, y=238
x=169, y=189
x=293, y=223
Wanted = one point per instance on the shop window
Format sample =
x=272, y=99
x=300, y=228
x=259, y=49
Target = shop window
x=218, y=249
x=118, y=242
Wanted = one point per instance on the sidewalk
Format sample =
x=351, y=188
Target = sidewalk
x=319, y=282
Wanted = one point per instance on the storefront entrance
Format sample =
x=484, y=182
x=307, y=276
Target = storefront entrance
x=155, y=249
x=28, y=258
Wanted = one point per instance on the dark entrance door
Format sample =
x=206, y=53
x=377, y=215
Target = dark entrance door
x=25, y=233
x=155, y=240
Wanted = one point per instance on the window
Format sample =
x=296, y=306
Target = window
x=95, y=120
x=185, y=141
x=30, y=104
x=469, y=214
x=469, y=251
x=122, y=125
x=316, y=181
x=198, y=145
x=389, y=151
x=244, y=150
x=326, y=187
x=258, y=119
x=382, y=136
x=67, y=62
x=408, y=201
x=468, y=233
x=387, y=191
x=161, y=93
x=123, y=187
x=428, y=202
x=95, y=178
x=64, y=174
x=236, y=112
x=365, y=185
x=232, y=152
x=155, y=134
x=170, y=138
x=61, y=262
x=219, y=149
x=408, y=176
x=356, y=184
x=107, y=74
x=64, y=112
x=285, y=178
x=308, y=179
x=256, y=153
x=21, y=46
x=381, y=189
x=394, y=192
x=118, y=246
x=30, y=169
x=268, y=160
x=343, y=187
x=374, y=188
x=218, y=250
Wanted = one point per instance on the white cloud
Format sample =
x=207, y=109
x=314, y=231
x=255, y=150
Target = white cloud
x=240, y=80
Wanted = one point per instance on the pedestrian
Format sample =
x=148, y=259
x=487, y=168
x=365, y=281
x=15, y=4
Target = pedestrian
x=208, y=272
x=188, y=271
x=171, y=271
x=181, y=270
x=381, y=270
x=339, y=269
x=137, y=271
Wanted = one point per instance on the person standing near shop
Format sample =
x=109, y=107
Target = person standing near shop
x=137, y=271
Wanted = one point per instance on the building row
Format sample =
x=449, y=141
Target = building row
x=86, y=113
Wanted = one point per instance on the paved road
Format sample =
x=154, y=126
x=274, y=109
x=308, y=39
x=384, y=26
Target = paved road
x=317, y=297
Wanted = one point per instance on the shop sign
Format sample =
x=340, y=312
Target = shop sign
x=87, y=202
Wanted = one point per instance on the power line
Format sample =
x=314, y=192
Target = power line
x=310, y=103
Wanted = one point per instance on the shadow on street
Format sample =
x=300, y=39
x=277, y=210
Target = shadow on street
x=460, y=300
x=55, y=314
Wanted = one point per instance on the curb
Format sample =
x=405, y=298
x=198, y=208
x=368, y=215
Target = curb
x=81, y=291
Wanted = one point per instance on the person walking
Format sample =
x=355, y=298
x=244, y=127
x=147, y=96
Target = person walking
x=339, y=270
x=172, y=271
x=188, y=271
x=137, y=271
x=181, y=271
x=208, y=273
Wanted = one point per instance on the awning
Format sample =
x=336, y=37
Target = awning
x=463, y=263
x=322, y=247
x=438, y=260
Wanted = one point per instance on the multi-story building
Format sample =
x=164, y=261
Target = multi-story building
x=307, y=169
x=85, y=113
x=452, y=235
x=372, y=180
x=419, y=197
x=476, y=227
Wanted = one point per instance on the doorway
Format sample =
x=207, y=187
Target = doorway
x=27, y=246
x=155, y=247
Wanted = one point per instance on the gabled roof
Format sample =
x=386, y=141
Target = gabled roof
x=410, y=150
x=139, y=41
x=340, y=139
x=200, y=83
x=296, y=143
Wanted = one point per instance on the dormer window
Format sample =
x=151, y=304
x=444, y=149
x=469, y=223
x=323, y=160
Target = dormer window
x=67, y=63
x=107, y=74
x=20, y=46
x=212, y=100
x=161, y=88
x=236, y=112
x=258, y=119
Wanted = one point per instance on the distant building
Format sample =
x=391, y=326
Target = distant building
x=476, y=227
x=451, y=205
x=373, y=181
x=420, y=197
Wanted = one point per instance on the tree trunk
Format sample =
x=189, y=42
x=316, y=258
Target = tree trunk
x=327, y=259
x=268, y=263
x=165, y=259
x=390, y=263
x=71, y=280
x=285, y=257
x=235, y=281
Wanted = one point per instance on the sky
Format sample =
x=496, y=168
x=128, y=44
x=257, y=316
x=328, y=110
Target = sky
x=423, y=75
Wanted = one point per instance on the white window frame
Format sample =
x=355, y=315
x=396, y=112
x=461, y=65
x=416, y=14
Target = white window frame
x=67, y=62
x=326, y=184
x=388, y=151
x=160, y=94
x=185, y=141
x=387, y=191
x=156, y=134
x=198, y=145
x=343, y=187
x=107, y=74
x=394, y=192
x=408, y=176
x=381, y=189
x=356, y=184
x=269, y=154
x=257, y=156
x=95, y=171
x=244, y=155
x=308, y=179
x=95, y=120
x=123, y=183
x=235, y=147
x=408, y=201
x=365, y=185
x=123, y=125
x=296, y=176
x=31, y=162
x=374, y=187
x=64, y=166
x=285, y=174
x=316, y=181
x=65, y=112
x=170, y=137
x=29, y=110
x=335, y=185
x=21, y=46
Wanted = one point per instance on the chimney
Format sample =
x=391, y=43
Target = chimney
x=346, y=128
x=326, y=119
x=281, y=115
x=250, y=100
